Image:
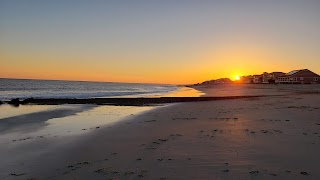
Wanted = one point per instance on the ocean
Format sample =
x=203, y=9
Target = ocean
x=25, y=88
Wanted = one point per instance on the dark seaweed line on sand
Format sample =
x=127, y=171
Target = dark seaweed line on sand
x=125, y=101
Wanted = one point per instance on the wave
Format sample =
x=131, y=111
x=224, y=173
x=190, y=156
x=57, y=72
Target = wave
x=11, y=88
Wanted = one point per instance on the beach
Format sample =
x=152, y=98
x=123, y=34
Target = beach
x=275, y=136
x=159, y=90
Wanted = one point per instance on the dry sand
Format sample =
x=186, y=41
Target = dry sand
x=274, y=137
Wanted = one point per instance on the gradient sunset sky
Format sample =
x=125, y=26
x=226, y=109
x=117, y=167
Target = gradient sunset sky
x=164, y=41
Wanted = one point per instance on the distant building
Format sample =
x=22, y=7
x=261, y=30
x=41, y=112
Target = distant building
x=257, y=79
x=265, y=78
x=246, y=79
x=274, y=75
x=303, y=76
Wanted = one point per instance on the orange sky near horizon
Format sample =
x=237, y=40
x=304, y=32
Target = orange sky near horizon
x=232, y=62
x=201, y=65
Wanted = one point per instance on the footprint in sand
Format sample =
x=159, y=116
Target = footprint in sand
x=151, y=148
x=163, y=140
x=17, y=174
x=99, y=170
x=254, y=172
x=142, y=173
x=264, y=131
x=128, y=173
x=304, y=173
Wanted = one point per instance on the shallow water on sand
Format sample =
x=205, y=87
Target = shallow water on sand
x=26, y=132
x=27, y=123
x=10, y=111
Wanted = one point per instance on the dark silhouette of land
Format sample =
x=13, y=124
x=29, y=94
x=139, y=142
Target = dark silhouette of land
x=123, y=101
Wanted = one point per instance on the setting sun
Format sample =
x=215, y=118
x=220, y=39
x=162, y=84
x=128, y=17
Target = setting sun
x=237, y=78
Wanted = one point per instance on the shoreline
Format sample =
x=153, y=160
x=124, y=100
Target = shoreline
x=198, y=93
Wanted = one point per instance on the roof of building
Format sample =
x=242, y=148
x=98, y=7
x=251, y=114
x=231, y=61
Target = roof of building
x=295, y=72
x=277, y=72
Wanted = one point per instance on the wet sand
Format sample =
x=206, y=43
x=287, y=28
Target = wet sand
x=274, y=137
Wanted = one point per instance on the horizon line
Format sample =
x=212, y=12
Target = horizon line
x=90, y=81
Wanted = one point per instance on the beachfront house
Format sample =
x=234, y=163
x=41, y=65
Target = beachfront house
x=246, y=79
x=265, y=78
x=303, y=76
x=270, y=78
x=216, y=81
x=274, y=75
x=257, y=79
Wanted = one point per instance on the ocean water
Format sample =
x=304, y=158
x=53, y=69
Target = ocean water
x=23, y=88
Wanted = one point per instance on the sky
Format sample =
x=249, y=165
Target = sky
x=164, y=41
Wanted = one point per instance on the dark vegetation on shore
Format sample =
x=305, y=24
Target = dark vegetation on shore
x=122, y=101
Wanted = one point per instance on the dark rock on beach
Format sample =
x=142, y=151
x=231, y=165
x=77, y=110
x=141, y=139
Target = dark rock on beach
x=27, y=101
x=15, y=102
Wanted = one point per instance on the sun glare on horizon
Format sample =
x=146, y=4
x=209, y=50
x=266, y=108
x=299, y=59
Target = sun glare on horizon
x=237, y=78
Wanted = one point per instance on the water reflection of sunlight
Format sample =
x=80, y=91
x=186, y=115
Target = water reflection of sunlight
x=90, y=120
x=80, y=123
x=185, y=92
